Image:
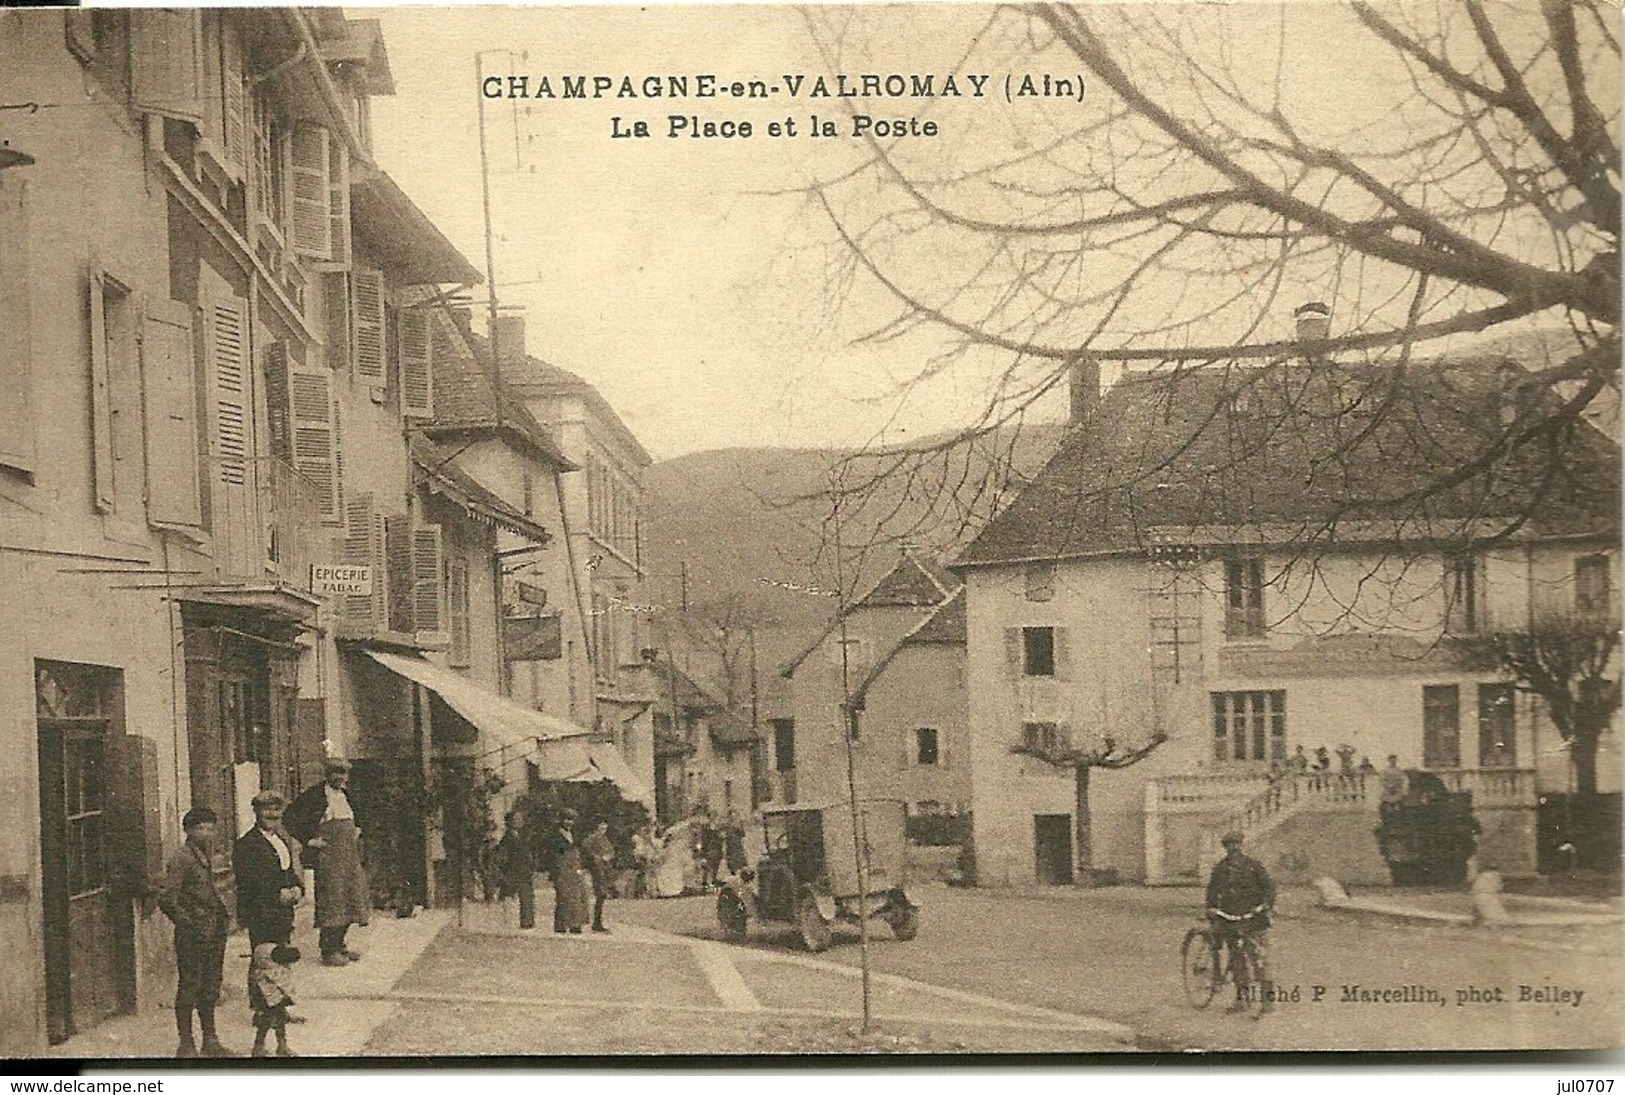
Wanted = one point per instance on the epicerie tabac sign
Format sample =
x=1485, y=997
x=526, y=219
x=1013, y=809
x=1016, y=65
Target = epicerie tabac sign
x=327, y=578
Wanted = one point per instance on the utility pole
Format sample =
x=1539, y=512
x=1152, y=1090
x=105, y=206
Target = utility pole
x=490, y=250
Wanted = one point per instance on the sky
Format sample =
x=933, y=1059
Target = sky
x=685, y=278
x=694, y=281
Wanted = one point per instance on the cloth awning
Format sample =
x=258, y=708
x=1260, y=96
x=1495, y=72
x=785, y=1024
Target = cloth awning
x=560, y=748
x=607, y=760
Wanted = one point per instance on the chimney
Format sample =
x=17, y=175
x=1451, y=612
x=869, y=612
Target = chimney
x=1083, y=380
x=1314, y=321
x=510, y=339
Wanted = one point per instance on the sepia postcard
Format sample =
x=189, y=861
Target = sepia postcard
x=746, y=531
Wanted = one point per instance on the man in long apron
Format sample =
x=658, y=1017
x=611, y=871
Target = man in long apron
x=323, y=819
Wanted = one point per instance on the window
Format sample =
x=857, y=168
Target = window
x=784, y=744
x=1592, y=595
x=854, y=723
x=927, y=747
x=1038, y=651
x=1042, y=738
x=1496, y=725
x=1441, y=726
x=1249, y=726
x=1244, y=598
x=1464, y=594
x=270, y=171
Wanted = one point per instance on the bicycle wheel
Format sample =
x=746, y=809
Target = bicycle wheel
x=1199, y=967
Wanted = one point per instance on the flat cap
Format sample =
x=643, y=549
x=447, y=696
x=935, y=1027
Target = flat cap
x=269, y=798
x=336, y=764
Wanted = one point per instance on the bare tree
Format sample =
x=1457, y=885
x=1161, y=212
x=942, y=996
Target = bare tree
x=721, y=631
x=1447, y=171
x=1569, y=662
x=1106, y=753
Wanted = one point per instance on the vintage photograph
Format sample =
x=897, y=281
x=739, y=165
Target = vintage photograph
x=557, y=532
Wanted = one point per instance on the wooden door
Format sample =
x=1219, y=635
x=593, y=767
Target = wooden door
x=89, y=972
x=1052, y=842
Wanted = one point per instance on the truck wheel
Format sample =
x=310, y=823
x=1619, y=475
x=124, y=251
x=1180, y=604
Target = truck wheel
x=731, y=916
x=815, y=931
x=904, y=921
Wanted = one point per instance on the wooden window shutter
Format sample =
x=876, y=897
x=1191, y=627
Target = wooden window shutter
x=170, y=406
x=336, y=348
x=16, y=365
x=166, y=62
x=233, y=100
x=277, y=402
x=367, y=312
x=227, y=341
x=310, y=403
x=338, y=199
x=361, y=549
x=338, y=459
x=428, y=584
x=101, y=411
x=417, y=364
x=1063, y=654
x=457, y=611
x=1014, y=652
x=311, y=229
x=398, y=563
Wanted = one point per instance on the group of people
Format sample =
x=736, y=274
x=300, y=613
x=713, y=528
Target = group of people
x=319, y=829
x=574, y=868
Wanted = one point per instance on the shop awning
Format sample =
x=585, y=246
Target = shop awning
x=559, y=747
x=607, y=760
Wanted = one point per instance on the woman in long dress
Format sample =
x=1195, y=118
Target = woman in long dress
x=569, y=891
x=672, y=848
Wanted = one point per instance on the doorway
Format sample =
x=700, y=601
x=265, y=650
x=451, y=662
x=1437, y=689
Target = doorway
x=1052, y=843
x=89, y=947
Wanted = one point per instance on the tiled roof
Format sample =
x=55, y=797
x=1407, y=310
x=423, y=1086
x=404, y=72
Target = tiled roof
x=538, y=377
x=443, y=476
x=912, y=582
x=464, y=399
x=946, y=626
x=1296, y=451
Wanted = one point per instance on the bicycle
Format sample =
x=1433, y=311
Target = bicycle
x=1202, y=968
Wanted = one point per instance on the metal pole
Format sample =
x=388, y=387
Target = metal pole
x=490, y=256
x=858, y=839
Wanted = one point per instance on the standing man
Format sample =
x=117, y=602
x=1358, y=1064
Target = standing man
x=323, y=820
x=192, y=901
x=1240, y=896
x=266, y=864
x=1395, y=784
x=600, y=857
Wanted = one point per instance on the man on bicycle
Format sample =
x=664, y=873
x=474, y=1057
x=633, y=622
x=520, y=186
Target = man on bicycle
x=1240, y=896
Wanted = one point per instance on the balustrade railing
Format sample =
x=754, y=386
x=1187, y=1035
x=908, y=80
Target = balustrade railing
x=1492, y=786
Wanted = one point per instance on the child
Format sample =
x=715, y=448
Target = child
x=271, y=991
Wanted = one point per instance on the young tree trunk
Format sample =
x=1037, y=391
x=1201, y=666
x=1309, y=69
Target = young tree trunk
x=1081, y=837
x=1583, y=751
